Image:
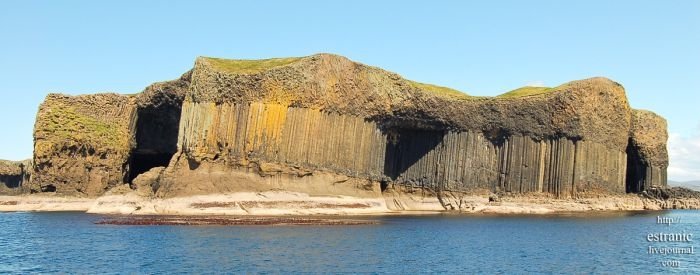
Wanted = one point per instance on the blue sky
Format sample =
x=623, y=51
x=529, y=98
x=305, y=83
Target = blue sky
x=482, y=48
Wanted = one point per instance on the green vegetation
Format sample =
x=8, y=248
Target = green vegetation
x=526, y=91
x=64, y=122
x=249, y=66
x=255, y=66
x=439, y=90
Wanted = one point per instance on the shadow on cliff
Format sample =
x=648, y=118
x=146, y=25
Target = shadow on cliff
x=156, y=138
x=11, y=181
x=405, y=147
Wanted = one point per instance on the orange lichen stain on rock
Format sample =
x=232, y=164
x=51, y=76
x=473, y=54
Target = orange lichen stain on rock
x=252, y=127
x=275, y=118
x=277, y=93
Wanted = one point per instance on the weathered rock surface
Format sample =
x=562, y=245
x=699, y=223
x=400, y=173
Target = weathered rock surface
x=10, y=173
x=85, y=145
x=156, y=125
x=326, y=112
x=148, y=182
x=647, y=155
x=595, y=109
x=326, y=125
x=13, y=174
x=81, y=143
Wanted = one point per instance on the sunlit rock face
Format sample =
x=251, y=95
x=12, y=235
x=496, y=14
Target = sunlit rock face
x=647, y=155
x=314, y=123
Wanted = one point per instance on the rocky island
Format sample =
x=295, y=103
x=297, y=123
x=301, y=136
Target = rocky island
x=325, y=135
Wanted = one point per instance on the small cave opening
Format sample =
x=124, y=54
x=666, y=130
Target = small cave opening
x=11, y=181
x=383, y=185
x=636, y=169
x=156, y=138
x=48, y=188
x=405, y=147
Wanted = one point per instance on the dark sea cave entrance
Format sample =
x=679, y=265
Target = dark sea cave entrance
x=405, y=147
x=156, y=138
x=11, y=181
x=636, y=170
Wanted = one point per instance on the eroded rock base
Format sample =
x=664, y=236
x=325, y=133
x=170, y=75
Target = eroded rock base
x=391, y=201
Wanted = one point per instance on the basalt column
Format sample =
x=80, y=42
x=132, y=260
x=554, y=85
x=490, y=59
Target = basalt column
x=467, y=161
x=647, y=157
x=277, y=133
x=232, y=125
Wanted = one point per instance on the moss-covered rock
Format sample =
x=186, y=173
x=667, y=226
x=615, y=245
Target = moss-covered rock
x=325, y=112
x=594, y=109
x=527, y=91
x=82, y=143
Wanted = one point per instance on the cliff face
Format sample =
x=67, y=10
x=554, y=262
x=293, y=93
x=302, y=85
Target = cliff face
x=647, y=155
x=85, y=145
x=81, y=143
x=13, y=174
x=232, y=125
x=156, y=125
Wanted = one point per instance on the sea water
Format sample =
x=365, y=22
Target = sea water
x=615, y=243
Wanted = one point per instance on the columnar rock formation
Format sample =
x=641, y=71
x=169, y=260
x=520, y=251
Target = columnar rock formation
x=297, y=117
x=647, y=155
x=85, y=145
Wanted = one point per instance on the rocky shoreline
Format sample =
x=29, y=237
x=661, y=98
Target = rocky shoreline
x=284, y=203
x=324, y=135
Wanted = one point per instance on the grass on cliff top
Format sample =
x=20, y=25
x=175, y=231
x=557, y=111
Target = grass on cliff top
x=249, y=66
x=66, y=123
x=439, y=90
x=246, y=66
x=526, y=91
